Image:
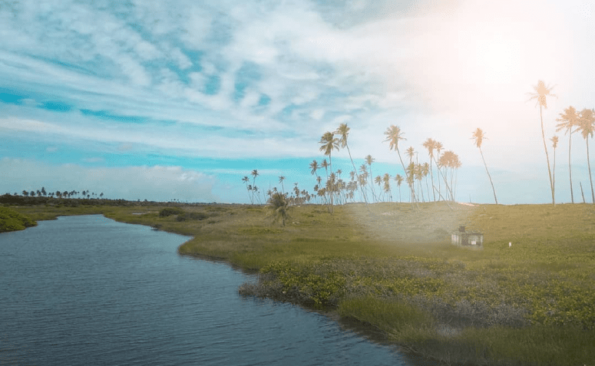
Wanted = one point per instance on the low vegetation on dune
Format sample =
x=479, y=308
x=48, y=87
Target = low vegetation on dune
x=530, y=302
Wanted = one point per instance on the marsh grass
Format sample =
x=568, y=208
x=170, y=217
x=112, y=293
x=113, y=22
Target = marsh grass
x=529, y=304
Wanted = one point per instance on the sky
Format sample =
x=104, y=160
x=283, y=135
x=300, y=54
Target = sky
x=180, y=99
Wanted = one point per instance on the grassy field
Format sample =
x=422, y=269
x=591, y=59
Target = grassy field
x=392, y=267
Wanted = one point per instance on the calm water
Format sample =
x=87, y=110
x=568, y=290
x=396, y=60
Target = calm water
x=87, y=290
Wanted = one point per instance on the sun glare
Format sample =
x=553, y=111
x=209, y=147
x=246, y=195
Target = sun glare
x=499, y=60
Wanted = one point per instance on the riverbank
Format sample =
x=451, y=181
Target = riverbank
x=11, y=220
x=528, y=304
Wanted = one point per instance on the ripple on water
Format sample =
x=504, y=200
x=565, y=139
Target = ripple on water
x=89, y=290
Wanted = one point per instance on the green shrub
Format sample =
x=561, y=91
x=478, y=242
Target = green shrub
x=11, y=220
x=168, y=211
x=193, y=216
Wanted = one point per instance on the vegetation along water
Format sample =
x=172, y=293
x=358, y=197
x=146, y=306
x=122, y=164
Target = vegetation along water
x=526, y=298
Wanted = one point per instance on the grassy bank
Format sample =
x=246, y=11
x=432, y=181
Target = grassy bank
x=529, y=304
x=11, y=220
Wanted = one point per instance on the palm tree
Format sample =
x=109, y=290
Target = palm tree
x=438, y=146
x=254, y=189
x=328, y=142
x=245, y=180
x=479, y=136
x=587, y=127
x=281, y=179
x=393, y=136
x=543, y=91
x=399, y=180
x=430, y=144
x=554, y=145
x=387, y=191
x=568, y=120
x=369, y=160
x=343, y=132
x=279, y=206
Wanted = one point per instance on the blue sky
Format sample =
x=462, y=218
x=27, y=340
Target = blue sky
x=181, y=99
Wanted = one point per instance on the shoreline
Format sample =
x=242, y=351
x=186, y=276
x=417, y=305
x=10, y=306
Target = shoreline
x=317, y=244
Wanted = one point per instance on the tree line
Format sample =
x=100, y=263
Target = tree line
x=432, y=180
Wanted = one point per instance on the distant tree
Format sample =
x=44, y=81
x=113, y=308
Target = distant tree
x=279, y=206
x=399, y=180
x=328, y=143
x=343, y=132
x=25, y=193
x=542, y=92
x=430, y=145
x=369, y=160
x=568, y=120
x=281, y=179
x=479, y=136
x=393, y=136
x=554, y=145
x=32, y=193
x=43, y=192
x=587, y=127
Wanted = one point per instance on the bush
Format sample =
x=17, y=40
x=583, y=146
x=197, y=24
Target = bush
x=168, y=211
x=11, y=220
x=192, y=216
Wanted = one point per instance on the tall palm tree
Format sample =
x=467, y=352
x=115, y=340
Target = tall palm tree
x=554, y=145
x=387, y=190
x=430, y=144
x=410, y=152
x=328, y=143
x=399, y=180
x=343, y=132
x=587, y=127
x=254, y=174
x=281, y=179
x=479, y=136
x=369, y=160
x=393, y=136
x=543, y=91
x=438, y=147
x=245, y=180
x=568, y=120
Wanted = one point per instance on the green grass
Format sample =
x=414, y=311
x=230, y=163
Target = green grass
x=394, y=269
x=11, y=220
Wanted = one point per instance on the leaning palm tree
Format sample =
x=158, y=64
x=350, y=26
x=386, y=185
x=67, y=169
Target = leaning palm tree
x=543, y=91
x=393, y=136
x=554, y=145
x=568, y=120
x=587, y=127
x=328, y=143
x=479, y=136
x=343, y=132
x=279, y=206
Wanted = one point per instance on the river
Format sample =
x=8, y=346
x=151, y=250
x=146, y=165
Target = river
x=87, y=290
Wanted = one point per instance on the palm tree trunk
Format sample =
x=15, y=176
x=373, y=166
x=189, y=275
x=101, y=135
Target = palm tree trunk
x=413, y=201
x=590, y=178
x=330, y=159
x=432, y=176
x=547, y=157
x=489, y=176
x=355, y=171
x=569, y=165
x=445, y=182
x=582, y=193
x=554, y=175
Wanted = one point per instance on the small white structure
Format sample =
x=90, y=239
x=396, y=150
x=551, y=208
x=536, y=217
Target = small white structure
x=464, y=238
